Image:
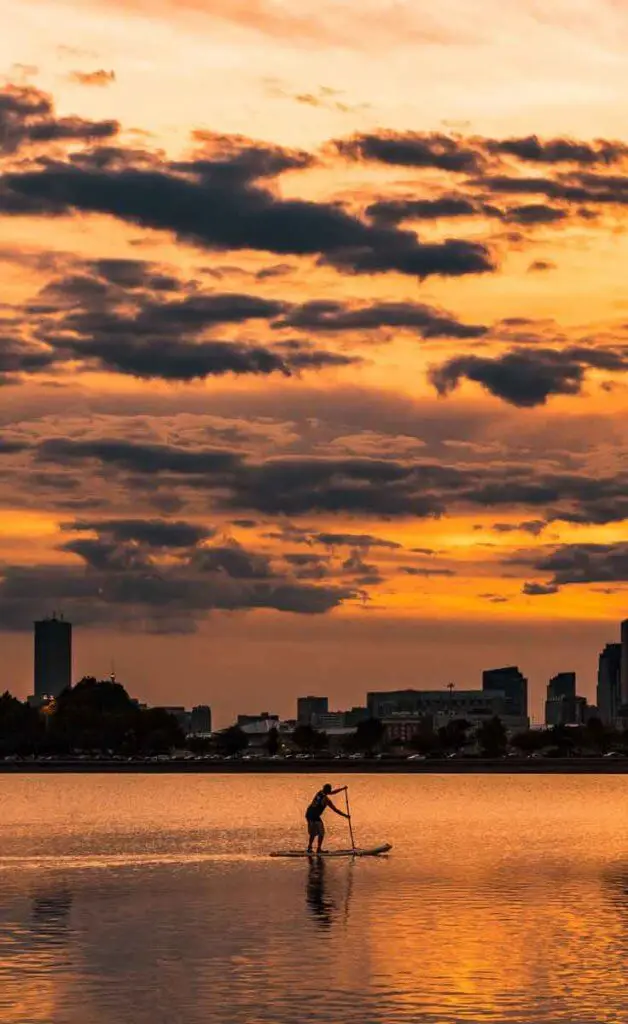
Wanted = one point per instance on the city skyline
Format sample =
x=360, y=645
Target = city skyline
x=305, y=375
x=504, y=690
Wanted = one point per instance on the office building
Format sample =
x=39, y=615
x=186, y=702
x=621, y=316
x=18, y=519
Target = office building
x=271, y=721
x=562, y=707
x=53, y=657
x=474, y=705
x=609, y=683
x=562, y=685
x=307, y=707
x=624, y=663
x=514, y=687
x=201, y=720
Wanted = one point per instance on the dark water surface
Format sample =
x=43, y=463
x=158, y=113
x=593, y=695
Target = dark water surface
x=151, y=900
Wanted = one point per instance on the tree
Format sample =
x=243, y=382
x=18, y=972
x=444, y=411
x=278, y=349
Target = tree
x=369, y=735
x=21, y=727
x=272, y=742
x=492, y=737
x=309, y=739
x=453, y=736
x=232, y=741
x=529, y=741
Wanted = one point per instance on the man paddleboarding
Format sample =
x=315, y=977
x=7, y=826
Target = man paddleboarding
x=313, y=815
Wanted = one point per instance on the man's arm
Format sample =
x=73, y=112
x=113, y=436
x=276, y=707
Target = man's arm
x=332, y=808
x=340, y=789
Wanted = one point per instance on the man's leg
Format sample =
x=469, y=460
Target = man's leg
x=321, y=836
x=311, y=834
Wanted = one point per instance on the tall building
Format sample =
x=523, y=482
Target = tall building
x=624, y=662
x=514, y=686
x=562, y=685
x=201, y=720
x=53, y=656
x=609, y=683
x=561, y=706
x=308, y=707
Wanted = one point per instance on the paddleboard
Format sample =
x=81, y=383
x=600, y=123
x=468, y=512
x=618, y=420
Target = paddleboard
x=375, y=851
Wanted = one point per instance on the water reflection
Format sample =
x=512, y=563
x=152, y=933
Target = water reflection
x=326, y=908
x=504, y=900
x=321, y=904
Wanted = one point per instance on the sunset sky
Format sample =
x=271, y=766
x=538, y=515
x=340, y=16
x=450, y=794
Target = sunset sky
x=315, y=340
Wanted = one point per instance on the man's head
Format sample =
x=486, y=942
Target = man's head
x=327, y=788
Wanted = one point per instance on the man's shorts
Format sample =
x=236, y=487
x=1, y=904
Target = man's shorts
x=316, y=829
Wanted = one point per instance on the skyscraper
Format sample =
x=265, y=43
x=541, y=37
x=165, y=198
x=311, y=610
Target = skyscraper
x=609, y=683
x=513, y=684
x=53, y=656
x=561, y=706
x=307, y=707
x=624, y=662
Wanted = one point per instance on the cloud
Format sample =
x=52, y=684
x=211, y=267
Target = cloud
x=218, y=206
x=153, y=533
x=124, y=580
x=527, y=378
x=394, y=211
x=539, y=266
x=534, y=213
x=411, y=570
x=552, y=151
x=337, y=316
x=533, y=526
x=98, y=79
x=112, y=314
x=412, y=149
x=27, y=118
x=354, y=540
x=539, y=589
x=586, y=563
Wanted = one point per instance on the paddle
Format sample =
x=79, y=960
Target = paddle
x=349, y=818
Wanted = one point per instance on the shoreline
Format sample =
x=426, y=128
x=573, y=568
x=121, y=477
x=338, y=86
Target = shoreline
x=507, y=766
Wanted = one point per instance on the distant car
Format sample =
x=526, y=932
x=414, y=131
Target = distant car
x=614, y=753
x=417, y=757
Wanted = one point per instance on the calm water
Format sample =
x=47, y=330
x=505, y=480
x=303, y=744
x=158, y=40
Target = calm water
x=150, y=899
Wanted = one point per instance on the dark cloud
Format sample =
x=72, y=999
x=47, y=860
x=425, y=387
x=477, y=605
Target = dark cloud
x=533, y=526
x=576, y=188
x=125, y=580
x=539, y=589
x=223, y=206
x=552, y=151
x=411, y=570
x=17, y=358
x=381, y=488
x=234, y=560
x=27, y=117
x=528, y=377
x=413, y=149
x=86, y=316
x=539, y=266
x=587, y=563
x=170, y=360
x=153, y=533
x=337, y=316
x=98, y=79
x=141, y=458
x=394, y=211
x=355, y=540
x=534, y=213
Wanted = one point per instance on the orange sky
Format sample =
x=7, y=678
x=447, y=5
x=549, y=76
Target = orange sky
x=421, y=478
